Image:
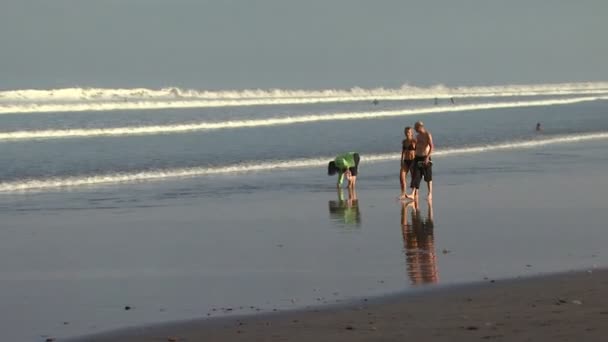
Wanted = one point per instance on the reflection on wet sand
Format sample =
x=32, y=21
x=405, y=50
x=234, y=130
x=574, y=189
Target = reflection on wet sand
x=419, y=244
x=345, y=212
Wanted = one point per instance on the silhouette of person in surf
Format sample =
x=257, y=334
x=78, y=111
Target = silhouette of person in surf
x=538, y=127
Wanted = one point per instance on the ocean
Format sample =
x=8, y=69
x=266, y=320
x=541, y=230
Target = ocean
x=183, y=204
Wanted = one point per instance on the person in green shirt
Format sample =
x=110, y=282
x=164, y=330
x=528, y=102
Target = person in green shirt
x=346, y=166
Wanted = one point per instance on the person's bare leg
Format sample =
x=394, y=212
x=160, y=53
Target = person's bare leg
x=430, y=186
x=349, y=201
x=402, y=181
x=405, y=177
x=404, y=194
x=414, y=195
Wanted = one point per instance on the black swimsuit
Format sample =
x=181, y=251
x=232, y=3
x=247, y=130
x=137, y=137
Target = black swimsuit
x=410, y=147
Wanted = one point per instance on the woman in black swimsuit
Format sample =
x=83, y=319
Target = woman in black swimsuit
x=408, y=153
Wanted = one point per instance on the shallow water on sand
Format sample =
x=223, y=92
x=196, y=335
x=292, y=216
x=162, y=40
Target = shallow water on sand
x=285, y=239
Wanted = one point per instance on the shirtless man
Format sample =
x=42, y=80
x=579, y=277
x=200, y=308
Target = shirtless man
x=423, y=166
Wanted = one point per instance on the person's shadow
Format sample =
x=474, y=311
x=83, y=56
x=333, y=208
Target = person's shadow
x=419, y=244
x=345, y=212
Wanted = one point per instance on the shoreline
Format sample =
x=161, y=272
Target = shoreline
x=552, y=307
x=498, y=216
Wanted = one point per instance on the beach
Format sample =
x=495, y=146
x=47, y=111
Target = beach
x=288, y=242
x=564, y=307
x=117, y=218
x=510, y=225
x=167, y=171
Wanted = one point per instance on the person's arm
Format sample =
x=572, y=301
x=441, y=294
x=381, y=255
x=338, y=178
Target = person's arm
x=339, y=165
x=402, y=152
x=431, y=147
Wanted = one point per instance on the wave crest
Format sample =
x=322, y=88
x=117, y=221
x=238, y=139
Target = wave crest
x=106, y=99
x=155, y=175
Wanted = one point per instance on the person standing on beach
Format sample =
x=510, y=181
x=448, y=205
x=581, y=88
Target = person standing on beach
x=345, y=165
x=423, y=166
x=408, y=152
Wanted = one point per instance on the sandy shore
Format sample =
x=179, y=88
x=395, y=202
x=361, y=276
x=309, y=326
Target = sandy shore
x=563, y=307
x=294, y=245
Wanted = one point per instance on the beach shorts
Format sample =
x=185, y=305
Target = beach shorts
x=408, y=164
x=420, y=171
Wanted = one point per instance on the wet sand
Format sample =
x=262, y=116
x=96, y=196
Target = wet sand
x=563, y=307
x=293, y=242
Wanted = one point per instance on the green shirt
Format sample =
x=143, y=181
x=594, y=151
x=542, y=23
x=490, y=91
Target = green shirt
x=343, y=162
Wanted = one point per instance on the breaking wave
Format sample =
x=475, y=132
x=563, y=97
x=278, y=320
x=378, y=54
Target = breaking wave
x=155, y=175
x=103, y=99
x=275, y=121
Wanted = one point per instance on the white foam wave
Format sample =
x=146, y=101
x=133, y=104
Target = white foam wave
x=77, y=181
x=276, y=121
x=101, y=99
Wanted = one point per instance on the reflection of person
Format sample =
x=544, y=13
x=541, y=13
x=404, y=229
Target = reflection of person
x=408, y=152
x=345, y=165
x=346, y=211
x=423, y=166
x=419, y=244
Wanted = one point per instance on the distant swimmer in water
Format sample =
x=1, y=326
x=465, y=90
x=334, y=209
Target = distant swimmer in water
x=346, y=166
x=452, y=100
x=538, y=128
x=436, y=101
x=375, y=102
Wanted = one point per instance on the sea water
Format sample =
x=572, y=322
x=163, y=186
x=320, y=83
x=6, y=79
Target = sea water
x=186, y=204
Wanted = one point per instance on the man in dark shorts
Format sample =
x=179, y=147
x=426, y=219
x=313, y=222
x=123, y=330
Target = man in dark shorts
x=423, y=166
x=345, y=165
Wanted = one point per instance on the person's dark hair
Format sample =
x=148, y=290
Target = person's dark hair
x=331, y=168
x=407, y=128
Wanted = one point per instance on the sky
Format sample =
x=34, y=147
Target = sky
x=230, y=44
